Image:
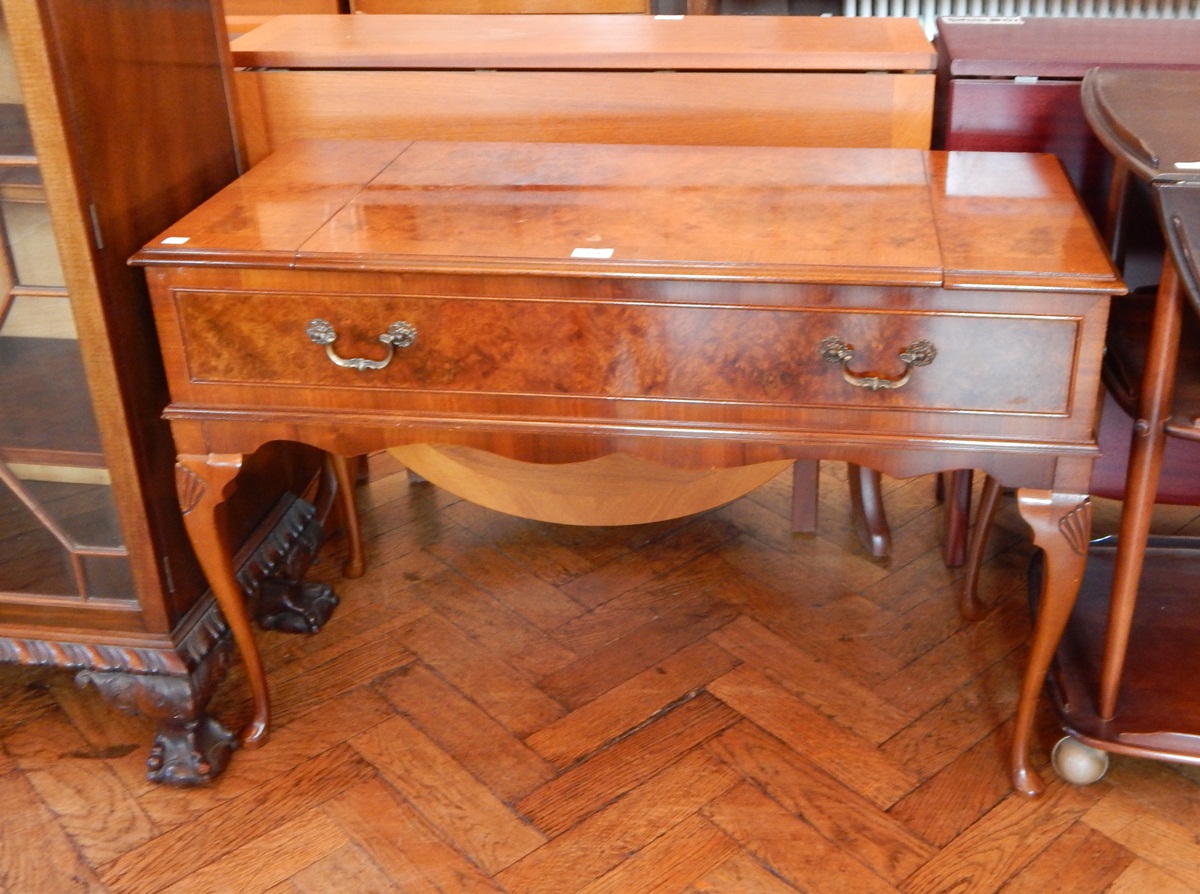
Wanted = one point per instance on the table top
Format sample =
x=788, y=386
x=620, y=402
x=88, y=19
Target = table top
x=1064, y=47
x=1149, y=118
x=894, y=216
x=587, y=42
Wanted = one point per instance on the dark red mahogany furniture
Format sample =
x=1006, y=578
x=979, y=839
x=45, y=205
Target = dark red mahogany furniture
x=123, y=125
x=1012, y=84
x=1125, y=678
x=696, y=306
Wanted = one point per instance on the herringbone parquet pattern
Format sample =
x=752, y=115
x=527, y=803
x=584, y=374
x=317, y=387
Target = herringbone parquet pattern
x=707, y=705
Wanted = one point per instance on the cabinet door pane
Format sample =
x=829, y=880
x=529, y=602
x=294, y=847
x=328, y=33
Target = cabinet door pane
x=59, y=536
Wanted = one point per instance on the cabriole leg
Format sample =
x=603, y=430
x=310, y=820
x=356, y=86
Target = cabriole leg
x=1062, y=525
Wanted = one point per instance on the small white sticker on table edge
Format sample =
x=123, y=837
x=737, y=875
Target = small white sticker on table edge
x=176, y=240
x=593, y=253
x=670, y=18
x=1188, y=165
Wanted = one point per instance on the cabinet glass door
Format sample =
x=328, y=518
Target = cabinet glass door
x=59, y=536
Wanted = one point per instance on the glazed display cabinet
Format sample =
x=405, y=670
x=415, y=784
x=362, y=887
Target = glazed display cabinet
x=114, y=121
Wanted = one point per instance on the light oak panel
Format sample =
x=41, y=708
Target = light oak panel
x=690, y=108
x=456, y=7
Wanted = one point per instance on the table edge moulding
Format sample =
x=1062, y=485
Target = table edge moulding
x=698, y=307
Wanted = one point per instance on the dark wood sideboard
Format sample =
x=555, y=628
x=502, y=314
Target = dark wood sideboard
x=699, y=307
x=1011, y=84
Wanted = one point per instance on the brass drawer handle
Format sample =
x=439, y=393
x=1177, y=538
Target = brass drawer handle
x=399, y=335
x=835, y=350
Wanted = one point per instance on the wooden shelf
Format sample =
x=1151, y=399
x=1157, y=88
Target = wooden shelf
x=1158, y=711
x=37, y=374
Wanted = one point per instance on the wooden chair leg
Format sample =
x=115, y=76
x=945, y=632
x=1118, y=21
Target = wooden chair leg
x=866, y=501
x=805, y=473
x=344, y=472
x=958, y=518
x=989, y=501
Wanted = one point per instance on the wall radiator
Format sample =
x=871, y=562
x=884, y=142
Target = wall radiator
x=928, y=10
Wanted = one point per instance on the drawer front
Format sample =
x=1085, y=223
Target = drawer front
x=606, y=356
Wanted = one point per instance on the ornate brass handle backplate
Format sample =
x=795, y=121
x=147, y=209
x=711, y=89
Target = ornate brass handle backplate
x=836, y=350
x=399, y=335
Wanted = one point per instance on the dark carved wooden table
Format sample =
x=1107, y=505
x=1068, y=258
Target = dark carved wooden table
x=700, y=307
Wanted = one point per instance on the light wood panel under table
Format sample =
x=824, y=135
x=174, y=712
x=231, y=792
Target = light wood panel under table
x=741, y=80
x=669, y=303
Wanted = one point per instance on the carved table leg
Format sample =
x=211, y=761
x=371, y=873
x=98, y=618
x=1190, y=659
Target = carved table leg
x=1062, y=525
x=348, y=507
x=203, y=482
x=190, y=747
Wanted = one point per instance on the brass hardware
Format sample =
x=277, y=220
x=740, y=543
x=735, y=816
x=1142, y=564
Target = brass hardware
x=835, y=350
x=399, y=335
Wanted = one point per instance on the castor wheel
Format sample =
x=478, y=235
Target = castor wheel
x=1077, y=763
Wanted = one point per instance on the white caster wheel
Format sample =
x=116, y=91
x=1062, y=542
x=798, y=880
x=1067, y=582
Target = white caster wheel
x=1077, y=763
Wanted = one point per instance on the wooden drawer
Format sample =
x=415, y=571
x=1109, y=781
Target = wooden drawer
x=631, y=357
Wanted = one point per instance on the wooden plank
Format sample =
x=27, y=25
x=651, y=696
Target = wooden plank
x=691, y=608
x=80, y=789
x=173, y=855
x=693, y=108
x=594, y=43
x=578, y=793
x=680, y=855
x=837, y=811
x=1157, y=839
x=398, y=839
x=629, y=704
x=485, y=616
x=273, y=858
x=795, y=850
x=1002, y=843
x=1143, y=876
x=843, y=700
x=960, y=793
x=465, y=732
x=606, y=839
x=741, y=872
x=293, y=748
x=451, y=799
x=494, y=684
x=459, y=7
x=35, y=852
x=844, y=755
x=346, y=869
x=505, y=580
x=940, y=735
x=1079, y=861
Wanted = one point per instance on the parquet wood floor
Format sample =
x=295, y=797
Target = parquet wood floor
x=707, y=705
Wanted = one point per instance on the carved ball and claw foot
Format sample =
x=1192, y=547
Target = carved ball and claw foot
x=190, y=747
x=192, y=752
x=294, y=606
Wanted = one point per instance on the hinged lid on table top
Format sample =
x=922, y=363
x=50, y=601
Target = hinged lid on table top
x=1006, y=47
x=586, y=43
x=1179, y=204
x=1150, y=119
x=838, y=216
